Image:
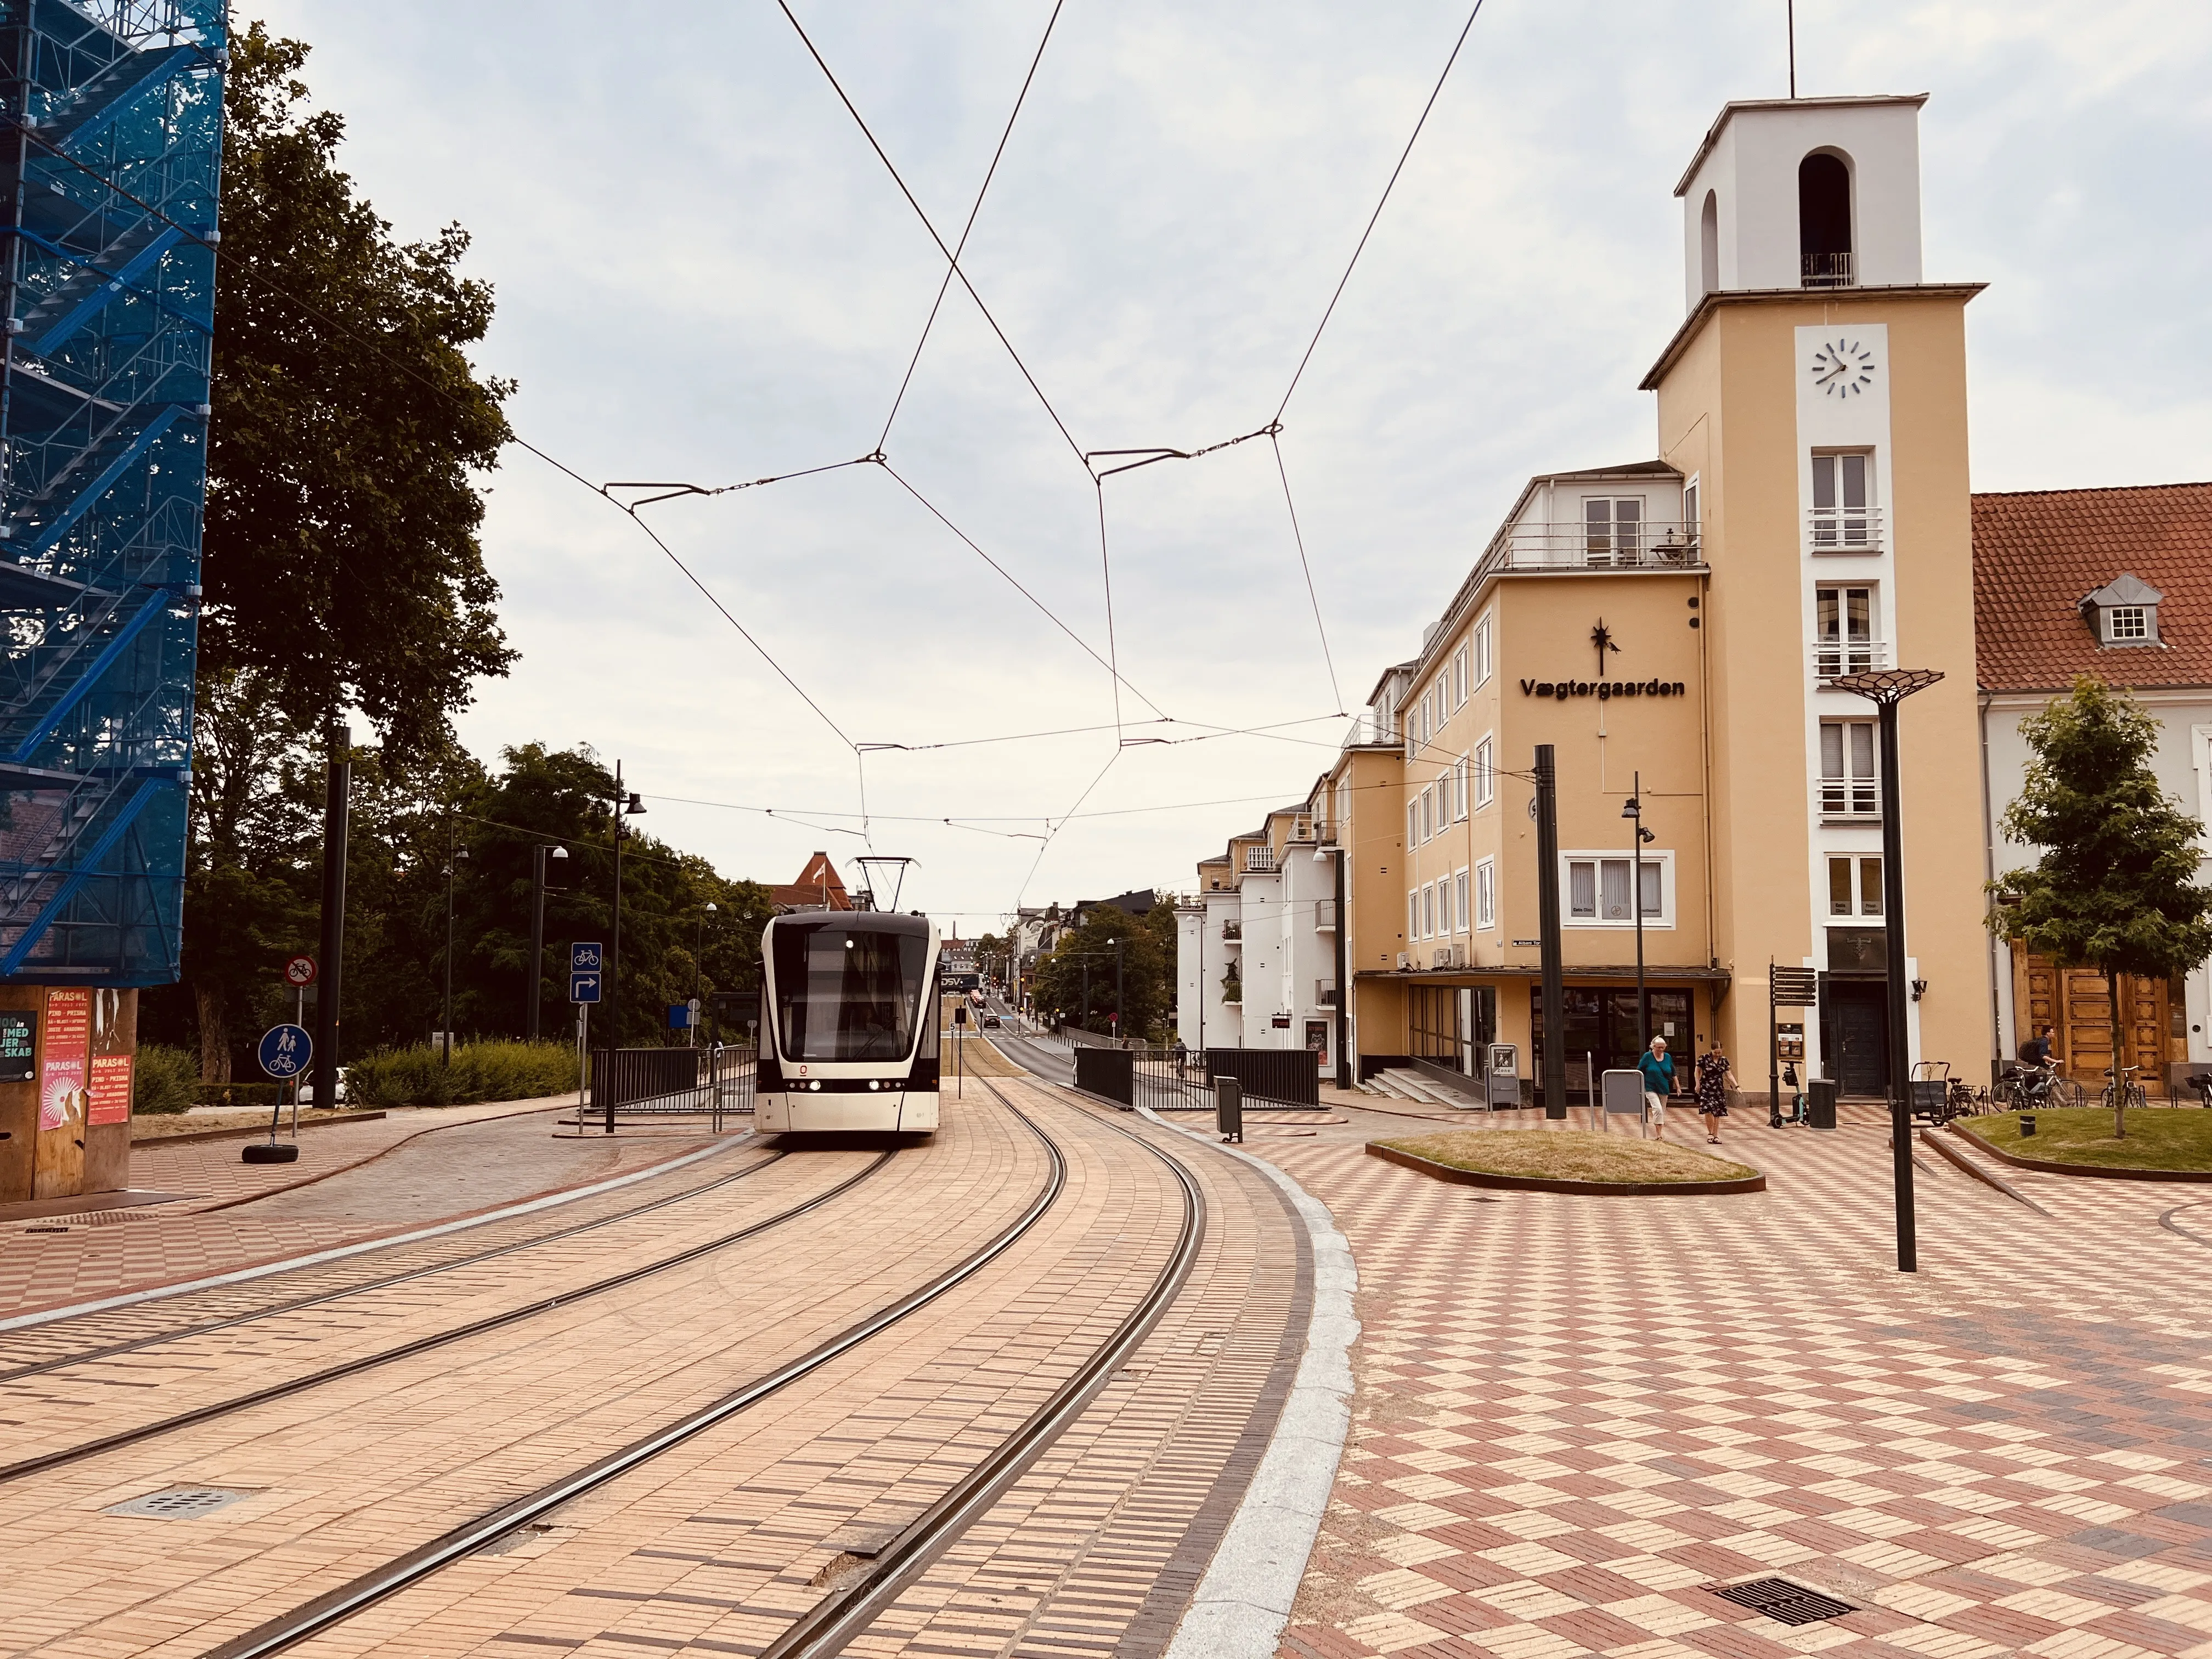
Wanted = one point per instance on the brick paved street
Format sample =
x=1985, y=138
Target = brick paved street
x=1573, y=1414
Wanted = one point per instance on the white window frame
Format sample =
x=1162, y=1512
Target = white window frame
x=1413, y=824
x=1849, y=794
x=1664, y=857
x=1862, y=898
x=1413, y=916
x=1485, y=657
x=1693, y=512
x=1486, y=771
x=2140, y=631
x=1485, y=894
x=1428, y=910
x=1459, y=678
x=1461, y=912
x=1841, y=525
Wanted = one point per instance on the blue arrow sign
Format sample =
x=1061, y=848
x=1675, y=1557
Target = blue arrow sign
x=286, y=1051
x=584, y=987
x=584, y=959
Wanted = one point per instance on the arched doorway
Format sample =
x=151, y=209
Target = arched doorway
x=1824, y=221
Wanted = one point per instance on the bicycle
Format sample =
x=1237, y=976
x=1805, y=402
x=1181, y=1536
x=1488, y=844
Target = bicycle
x=2036, y=1088
x=2130, y=1092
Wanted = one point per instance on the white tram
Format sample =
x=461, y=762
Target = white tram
x=848, y=1037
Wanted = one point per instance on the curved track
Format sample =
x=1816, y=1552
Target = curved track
x=856, y=1601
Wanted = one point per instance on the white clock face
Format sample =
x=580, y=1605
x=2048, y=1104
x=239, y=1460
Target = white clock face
x=1842, y=368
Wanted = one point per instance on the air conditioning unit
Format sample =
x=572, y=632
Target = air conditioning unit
x=1441, y=958
x=1459, y=956
x=1404, y=961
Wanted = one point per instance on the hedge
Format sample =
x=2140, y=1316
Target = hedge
x=480, y=1071
x=164, y=1080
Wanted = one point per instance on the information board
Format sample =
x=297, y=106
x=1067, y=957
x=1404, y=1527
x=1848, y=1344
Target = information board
x=111, y=1090
x=19, y=1045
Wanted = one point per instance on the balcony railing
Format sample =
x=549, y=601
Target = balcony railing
x=1851, y=798
x=1827, y=270
x=1834, y=657
x=1325, y=993
x=1845, y=529
x=1325, y=915
x=1650, y=544
x=1259, y=859
x=1232, y=933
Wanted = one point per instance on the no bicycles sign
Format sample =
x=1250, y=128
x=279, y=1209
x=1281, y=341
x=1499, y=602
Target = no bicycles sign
x=300, y=972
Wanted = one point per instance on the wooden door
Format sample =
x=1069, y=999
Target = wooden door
x=2077, y=1003
x=1855, y=1036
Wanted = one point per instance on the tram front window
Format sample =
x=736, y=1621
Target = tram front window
x=845, y=993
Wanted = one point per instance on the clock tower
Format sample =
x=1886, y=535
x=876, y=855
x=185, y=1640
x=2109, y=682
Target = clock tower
x=1814, y=398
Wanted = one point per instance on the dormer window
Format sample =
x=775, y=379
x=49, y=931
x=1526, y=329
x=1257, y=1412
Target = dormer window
x=2124, y=612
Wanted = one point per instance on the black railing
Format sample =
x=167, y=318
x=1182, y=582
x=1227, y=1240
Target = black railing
x=1181, y=1081
x=1271, y=1077
x=642, y=1082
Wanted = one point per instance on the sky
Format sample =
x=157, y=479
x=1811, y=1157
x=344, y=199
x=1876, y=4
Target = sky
x=705, y=275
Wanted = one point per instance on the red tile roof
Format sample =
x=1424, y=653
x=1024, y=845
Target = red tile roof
x=816, y=889
x=2038, y=553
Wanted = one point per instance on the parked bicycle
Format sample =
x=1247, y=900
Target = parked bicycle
x=2032, y=1088
x=2124, y=1092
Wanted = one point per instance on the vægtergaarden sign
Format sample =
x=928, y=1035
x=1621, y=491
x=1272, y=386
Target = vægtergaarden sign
x=1604, y=690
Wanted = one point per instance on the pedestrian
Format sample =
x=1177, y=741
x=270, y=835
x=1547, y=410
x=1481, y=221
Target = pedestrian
x=1715, y=1079
x=1658, y=1083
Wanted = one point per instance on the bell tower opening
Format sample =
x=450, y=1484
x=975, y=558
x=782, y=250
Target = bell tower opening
x=1708, y=241
x=1824, y=221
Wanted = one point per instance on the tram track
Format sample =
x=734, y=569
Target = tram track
x=321, y=1298
x=217, y=1409
x=856, y=1600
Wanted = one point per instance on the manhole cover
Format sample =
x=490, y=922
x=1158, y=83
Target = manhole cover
x=180, y=1503
x=1783, y=1601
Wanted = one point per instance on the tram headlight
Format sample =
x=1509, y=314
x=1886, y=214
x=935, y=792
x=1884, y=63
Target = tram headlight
x=817, y=1084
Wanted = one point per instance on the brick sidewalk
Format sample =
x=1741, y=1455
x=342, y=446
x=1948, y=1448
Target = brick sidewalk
x=1574, y=1413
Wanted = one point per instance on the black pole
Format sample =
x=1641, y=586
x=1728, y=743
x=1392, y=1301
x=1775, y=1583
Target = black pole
x=1553, y=995
x=1121, y=1009
x=1635, y=876
x=613, y=987
x=537, y=972
x=445, y=1021
x=337, y=790
x=1900, y=1052
x=1343, y=980
x=1773, y=1054
x=1083, y=1020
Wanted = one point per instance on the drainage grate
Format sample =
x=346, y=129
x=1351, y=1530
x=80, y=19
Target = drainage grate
x=1783, y=1601
x=180, y=1503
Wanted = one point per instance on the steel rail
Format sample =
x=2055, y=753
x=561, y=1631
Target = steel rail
x=318, y=1298
x=334, y=1606
x=859, y=1600
x=132, y=1437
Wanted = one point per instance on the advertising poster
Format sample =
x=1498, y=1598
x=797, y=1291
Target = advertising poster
x=111, y=1090
x=62, y=1076
x=19, y=1045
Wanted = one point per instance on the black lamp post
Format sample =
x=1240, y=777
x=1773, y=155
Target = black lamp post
x=1634, y=813
x=538, y=890
x=698, y=966
x=626, y=805
x=1885, y=688
x=445, y=1037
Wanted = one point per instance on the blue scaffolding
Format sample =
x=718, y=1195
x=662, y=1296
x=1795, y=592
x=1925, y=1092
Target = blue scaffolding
x=108, y=160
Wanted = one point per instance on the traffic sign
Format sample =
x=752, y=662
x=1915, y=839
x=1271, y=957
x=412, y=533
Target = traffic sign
x=584, y=987
x=300, y=971
x=285, y=1052
x=584, y=958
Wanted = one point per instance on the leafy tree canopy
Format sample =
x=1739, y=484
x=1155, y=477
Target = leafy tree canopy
x=343, y=565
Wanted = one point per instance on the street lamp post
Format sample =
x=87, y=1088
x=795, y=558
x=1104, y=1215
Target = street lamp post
x=1120, y=1020
x=1634, y=813
x=538, y=890
x=626, y=805
x=445, y=1037
x=1885, y=688
x=698, y=967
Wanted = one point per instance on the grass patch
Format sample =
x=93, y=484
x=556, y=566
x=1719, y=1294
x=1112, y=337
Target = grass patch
x=2159, y=1137
x=1568, y=1155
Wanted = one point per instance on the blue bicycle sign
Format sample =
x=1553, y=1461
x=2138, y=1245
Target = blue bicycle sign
x=286, y=1051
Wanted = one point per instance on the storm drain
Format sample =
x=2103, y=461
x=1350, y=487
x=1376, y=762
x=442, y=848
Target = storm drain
x=1783, y=1601
x=180, y=1503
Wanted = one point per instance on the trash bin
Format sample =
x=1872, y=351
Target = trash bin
x=1229, y=1107
x=1821, y=1103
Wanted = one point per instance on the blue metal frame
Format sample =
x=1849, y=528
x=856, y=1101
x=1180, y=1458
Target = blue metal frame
x=111, y=136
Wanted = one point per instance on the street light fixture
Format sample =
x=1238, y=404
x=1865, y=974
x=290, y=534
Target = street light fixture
x=1885, y=688
x=538, y=889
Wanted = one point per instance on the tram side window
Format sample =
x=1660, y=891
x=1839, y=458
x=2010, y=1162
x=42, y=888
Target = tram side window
x=848, y=993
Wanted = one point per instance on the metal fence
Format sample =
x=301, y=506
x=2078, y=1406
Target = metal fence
x=1181, y=1081
x=672, y=1082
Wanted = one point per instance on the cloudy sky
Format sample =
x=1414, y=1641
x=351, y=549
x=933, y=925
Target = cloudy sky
x=705, y=276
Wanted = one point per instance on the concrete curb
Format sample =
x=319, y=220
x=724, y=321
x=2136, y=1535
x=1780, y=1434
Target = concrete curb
x=1457, y=1177
x=1243, y=1603
x=2043, y=1166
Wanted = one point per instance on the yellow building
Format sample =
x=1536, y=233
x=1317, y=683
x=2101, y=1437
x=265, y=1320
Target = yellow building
x=1668, y=623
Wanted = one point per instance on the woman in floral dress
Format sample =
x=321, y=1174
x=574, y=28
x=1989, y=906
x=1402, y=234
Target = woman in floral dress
x=1715, y=1079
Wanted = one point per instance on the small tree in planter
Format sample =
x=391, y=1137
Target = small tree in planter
x=2115, y=887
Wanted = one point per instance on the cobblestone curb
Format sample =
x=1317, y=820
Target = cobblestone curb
x=1243, y=1602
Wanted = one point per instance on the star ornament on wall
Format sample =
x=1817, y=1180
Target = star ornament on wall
x=1841, y=367
x=1601, y=638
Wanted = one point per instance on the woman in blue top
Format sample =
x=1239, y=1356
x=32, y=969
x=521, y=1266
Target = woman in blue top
x=1658, y=1083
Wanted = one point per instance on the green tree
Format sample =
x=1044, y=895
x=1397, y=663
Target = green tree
x=348, y=434
x=2115, y=887
x=1147, y=959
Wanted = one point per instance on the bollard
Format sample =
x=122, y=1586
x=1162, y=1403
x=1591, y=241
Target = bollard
x=2026, y=1125
x=1228, y=1108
